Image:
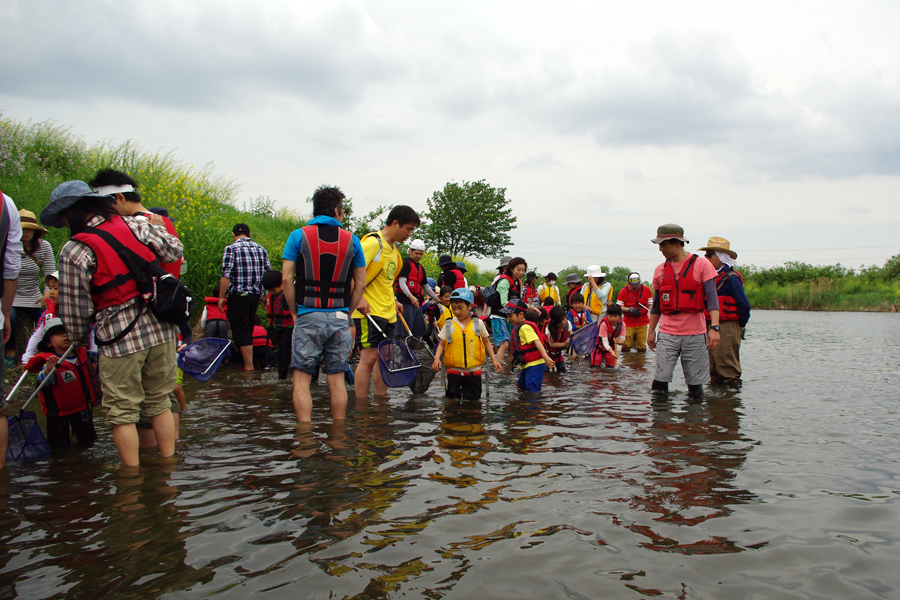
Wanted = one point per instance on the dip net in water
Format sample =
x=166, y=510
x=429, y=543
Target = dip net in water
x=201, y=359
x=26, y=440
x=426, y=374
x=584, y=340
x=399, y=367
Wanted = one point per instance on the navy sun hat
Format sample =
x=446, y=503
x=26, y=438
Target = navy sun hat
x=514, y=307
x=461, y=266
x=64, y=196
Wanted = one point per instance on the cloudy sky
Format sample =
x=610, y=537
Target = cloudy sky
x=773, y=124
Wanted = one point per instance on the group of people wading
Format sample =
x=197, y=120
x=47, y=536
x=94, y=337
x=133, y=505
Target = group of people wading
x=337, y=294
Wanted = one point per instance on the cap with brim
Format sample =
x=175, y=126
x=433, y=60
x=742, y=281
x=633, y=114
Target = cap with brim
x=514, y=307
x=29, y=221
x=64, y=196
x=634, y=278
x=669, y=231
x=719, y=244
x=445, y=260
x=417, y=245
x=573, y=278
x=54, y=275
x=51, y=327
x=462, y=294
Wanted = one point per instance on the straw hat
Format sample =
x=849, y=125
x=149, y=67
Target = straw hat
x=29, y=221
x=719, y=244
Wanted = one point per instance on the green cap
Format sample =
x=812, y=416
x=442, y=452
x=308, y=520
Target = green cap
x=669, y=231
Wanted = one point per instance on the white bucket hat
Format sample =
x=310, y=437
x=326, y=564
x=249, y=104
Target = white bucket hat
x=595, y=271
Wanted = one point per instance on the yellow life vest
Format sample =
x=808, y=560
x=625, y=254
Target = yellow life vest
x=465, y=350
x=445, y=314
x=591, y=302
x=549, y=290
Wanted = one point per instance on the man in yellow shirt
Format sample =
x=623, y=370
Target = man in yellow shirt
x=383, y=263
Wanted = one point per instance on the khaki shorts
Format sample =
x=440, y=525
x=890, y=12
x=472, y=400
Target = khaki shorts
x=138, y=385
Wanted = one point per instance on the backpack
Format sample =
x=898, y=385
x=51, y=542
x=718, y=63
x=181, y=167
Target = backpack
x=167, y=296
x=491, y=297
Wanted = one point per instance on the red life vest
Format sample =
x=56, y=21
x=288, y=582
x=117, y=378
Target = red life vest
x=212, y=309
x=515, y=287
x=681, y=294
x=530, y=294
x=578, y=320
x=413, y=280
x=324, y=267
x=172, y=268
x=615, y=332
x=526, y=353
x=278, y=311
x=74, y=387
x=260, y=337
x=562, y=335
x=458, y=282
x=570, y=293
x=728, y=310
x=112, y=283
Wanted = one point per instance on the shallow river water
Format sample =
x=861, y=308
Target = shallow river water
x=787, y=488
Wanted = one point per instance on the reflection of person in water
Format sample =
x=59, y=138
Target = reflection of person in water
x=696, y=455
x=463, y=436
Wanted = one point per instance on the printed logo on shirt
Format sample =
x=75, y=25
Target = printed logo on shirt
x=68, y=376
x=391, y=270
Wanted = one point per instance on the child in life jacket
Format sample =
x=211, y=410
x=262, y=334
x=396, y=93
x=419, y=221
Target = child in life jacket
x=530, y=294
x=69, y=397
x=280, y=319
x=464, y=343
x=262, y=345
x=577, y=315
x=611, y=332
x=441, y=311
x=528, y=345
x=213, y=320
x=51, y=291
x=558, y=337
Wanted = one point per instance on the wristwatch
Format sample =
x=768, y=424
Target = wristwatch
x=715, y=327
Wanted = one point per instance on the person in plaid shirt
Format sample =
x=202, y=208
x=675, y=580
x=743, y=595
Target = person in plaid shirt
x=137, y=354
x=243, y=266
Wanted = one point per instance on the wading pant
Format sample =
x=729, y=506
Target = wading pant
x=694, y=357
x=725, y=360
x=635, y=337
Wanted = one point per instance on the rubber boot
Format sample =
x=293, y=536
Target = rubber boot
x=695, y=393
x=659, y=388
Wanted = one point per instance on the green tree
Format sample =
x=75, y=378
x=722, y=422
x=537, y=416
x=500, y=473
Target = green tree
x=469, y=219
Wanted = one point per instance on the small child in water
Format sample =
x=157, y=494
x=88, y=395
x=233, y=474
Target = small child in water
x=528, y=345
x=464, y=342
x=611, y=332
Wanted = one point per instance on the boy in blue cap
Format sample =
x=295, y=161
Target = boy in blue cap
x=465, y=341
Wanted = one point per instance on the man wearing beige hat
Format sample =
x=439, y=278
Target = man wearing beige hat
x=734, y=312
x=683, y=288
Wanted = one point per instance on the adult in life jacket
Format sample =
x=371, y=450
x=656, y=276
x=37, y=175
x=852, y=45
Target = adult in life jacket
x=411, y=287
x=683, y=286
x=129, y=336
x=635, y=299
x=548, y=289
x=597, y=292
x=128, y=203
x=450, y=275
x=68, y=399
x=509, y=287
x=734, y=312
x=610, y=333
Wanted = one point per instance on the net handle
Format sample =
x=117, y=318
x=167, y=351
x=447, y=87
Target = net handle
x=219, y=355
x=372, y=321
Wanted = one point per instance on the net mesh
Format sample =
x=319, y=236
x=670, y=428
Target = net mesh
x=399, y=366
x=584, y=340
x=26, y=440
x=201, y=359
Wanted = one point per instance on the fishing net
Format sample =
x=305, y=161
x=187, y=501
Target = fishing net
x=26, y=440
x=201, y=359
x=399, y=366
x=426, y=374
x=584, y=340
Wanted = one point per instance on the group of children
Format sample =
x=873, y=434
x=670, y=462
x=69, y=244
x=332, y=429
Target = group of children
x=540, y=336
